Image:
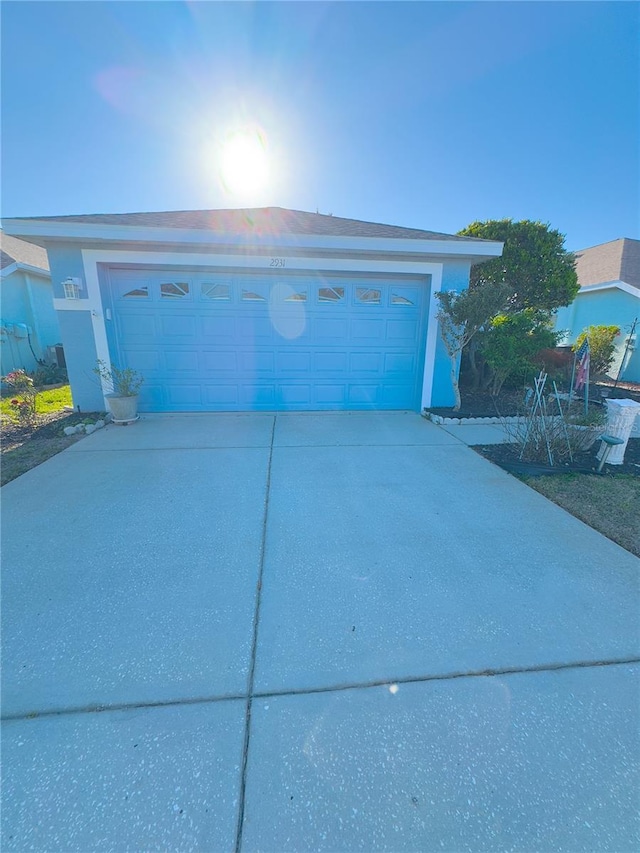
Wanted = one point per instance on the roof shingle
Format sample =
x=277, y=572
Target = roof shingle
x=262, y=221
x=618, y=260
x=18, y=251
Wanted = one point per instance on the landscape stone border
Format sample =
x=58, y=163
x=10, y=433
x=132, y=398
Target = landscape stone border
x=87, y=429
x=442, y=421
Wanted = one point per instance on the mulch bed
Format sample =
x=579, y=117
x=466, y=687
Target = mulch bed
x=505, y=455
x=510, y=402
x=48, y=426
x=24, y=447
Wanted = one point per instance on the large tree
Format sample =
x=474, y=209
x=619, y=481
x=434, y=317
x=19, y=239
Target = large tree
x=537, y=271
x=534, y=263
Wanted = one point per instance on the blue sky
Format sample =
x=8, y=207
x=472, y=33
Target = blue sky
x=430, y=115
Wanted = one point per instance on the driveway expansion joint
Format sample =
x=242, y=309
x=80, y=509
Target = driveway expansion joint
x=447, y=676
x=372, y=444
x=123, y=706
x=254, y=647
x=332, y=688
x=162, y=449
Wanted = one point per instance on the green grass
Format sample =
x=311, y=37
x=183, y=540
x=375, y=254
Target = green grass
x=53, y=400
x=609, y=504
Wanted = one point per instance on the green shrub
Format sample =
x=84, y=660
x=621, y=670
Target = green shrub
x=124, y=382
x=511, y=343
x=602, y=347
x=23, y=404
x=49, y=374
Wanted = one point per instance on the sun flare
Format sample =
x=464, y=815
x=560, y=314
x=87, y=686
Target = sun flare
x=244, y=165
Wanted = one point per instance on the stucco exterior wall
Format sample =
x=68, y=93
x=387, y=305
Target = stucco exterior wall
x=610, y=307
x=45, y=318
x=80, y=353
x=65, y=261
x=27, y=300
x=631, y=366
x=76, y=330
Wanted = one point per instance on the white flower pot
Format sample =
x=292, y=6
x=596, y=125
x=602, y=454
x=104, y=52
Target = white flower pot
x=123, y=409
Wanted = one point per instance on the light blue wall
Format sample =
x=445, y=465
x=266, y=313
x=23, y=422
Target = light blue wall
x=631, y=366
x=455, y=276
x=37, y=313
x=76, y=330
x=14, y=351
x=65, y=262
x=46, y=317
x=81, y=357
x=612, y=307
x=564, y=320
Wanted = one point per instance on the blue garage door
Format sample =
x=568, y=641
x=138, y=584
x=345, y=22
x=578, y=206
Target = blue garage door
x=230, y=342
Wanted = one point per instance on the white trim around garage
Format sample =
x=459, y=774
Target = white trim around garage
x=432, y=339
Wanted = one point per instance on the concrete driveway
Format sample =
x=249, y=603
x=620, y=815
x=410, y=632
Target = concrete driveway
x=310, y=632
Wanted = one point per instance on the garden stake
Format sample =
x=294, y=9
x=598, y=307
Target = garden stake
x=562, y=420
x=539, y=383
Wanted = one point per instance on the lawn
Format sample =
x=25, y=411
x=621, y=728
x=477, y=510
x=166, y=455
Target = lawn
x=52, y=400
x=23, y=447
x=609, y=504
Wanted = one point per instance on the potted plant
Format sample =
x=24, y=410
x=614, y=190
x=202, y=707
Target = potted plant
x=585, y=427
x=122, y=399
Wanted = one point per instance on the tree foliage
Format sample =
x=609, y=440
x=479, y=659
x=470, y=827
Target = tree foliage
x=538, y=275
x=534, y=264
x=601, y=346
x=512, y=343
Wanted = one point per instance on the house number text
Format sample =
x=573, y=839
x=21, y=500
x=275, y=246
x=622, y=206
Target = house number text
x=277, y=262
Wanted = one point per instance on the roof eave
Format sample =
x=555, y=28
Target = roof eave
x=44, y=233
x=624, y=286
x=16, y=266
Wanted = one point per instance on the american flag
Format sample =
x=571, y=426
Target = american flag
x=583, y=357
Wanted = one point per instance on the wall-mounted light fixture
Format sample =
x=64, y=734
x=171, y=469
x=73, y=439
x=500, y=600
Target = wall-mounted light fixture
x=72, y=288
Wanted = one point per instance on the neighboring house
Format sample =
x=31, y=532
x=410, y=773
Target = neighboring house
x=29, y=324
x=609, y=278
x=254, y=310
